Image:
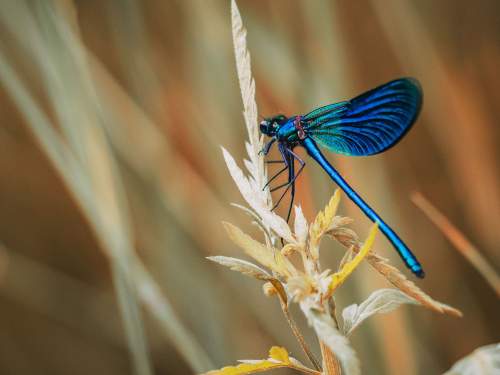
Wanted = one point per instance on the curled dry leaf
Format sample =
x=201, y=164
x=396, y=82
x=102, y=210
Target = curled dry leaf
x=269, y=289
x=267, y=256
x=278, y=358
x=242, y=266
x=483, y=361
x=399, y=280
x=380, y=301
x=346, y=236
x=300, y=225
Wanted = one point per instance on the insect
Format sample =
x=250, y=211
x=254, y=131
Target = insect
x=366, y=125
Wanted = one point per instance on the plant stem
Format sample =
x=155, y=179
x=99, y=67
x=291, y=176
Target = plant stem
x=461, y=243
x=284, y=306
x=331, y=364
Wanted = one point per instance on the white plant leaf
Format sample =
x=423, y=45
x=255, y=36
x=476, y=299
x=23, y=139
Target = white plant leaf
x=242, y=266
x=300, y=225
x=324, y=326
x=482, y=361
x=257, y=222
x=256, y=165
x=256, y=199
x=379, y=302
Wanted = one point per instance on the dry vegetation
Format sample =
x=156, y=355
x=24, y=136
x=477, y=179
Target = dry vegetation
x=113, y=188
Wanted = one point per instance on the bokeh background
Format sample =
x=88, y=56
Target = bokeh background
x=112, y=180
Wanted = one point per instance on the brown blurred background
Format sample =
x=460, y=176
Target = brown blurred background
x=112, y=114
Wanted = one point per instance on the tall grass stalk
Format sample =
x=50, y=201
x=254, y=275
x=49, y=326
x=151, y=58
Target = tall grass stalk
x=84, y=160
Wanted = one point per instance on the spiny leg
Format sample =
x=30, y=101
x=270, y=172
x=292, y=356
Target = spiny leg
x=291, y=176
x=292, y=180
x=284, y=192
x=267, y=147
x=275, y=176
x=282, y=149
x=288, y=162
x=302, y=165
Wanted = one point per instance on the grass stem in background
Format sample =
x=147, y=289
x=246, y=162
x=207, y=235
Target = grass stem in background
x=459, y=241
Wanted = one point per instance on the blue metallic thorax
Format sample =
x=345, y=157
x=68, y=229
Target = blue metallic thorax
x=287, y=131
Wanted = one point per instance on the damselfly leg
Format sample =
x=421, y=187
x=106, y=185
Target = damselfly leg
x=289, y=158
x=267, y=147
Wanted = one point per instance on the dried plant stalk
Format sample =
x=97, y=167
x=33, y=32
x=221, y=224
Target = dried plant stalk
x=399, y=280
x=459, y=241
x=293, y=326
x=331, y=365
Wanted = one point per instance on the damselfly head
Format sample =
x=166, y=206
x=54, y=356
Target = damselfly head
x=270, y=125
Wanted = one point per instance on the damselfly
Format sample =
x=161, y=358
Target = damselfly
x=366, y=125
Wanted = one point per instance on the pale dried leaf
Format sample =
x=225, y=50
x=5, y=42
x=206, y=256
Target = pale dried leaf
x=340, y=221
x=482, y=361
x=257, y=222
x=256, y=199
x=379, y=302
x=256, y=165
x=267, y=256
x=243, y=67
x=346, y=236
x=324, y=326
x=399, y=280
x=242, y=266
x=300, y=225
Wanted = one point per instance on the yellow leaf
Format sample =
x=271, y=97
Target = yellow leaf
x=339, y=277
x=278, y=358
x=267, y=256
x=280, y=354
x=247, y=368
x=322, y=222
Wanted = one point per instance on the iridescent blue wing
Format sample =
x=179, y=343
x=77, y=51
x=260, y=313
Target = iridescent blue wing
x=368, y=124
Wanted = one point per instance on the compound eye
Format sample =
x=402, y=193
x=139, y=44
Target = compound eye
x=265, y=127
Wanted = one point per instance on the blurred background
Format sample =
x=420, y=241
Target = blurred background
x=113, y=185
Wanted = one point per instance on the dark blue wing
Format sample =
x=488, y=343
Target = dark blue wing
x=370, y=123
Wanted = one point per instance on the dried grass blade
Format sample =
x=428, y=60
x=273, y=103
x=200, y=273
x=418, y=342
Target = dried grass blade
x=77, y=180
x=399, y=280
x=459, y=241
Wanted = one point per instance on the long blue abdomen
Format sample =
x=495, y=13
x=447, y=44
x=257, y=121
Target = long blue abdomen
x=403, y=250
